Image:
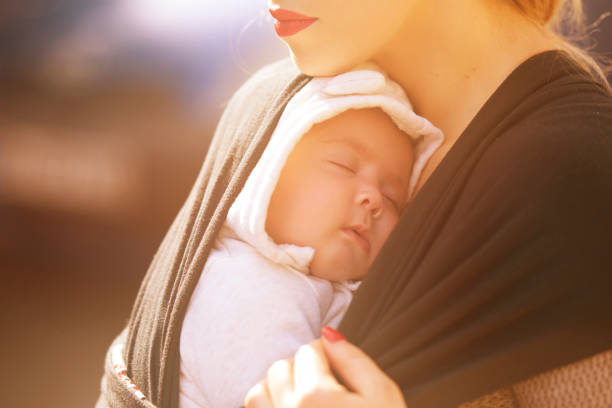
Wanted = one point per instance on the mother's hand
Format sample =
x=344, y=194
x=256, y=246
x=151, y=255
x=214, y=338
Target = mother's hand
x=307, y=380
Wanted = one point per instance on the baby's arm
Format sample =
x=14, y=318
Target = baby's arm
x=240, y=322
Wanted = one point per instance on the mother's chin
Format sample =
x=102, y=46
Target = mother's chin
x=321, y=65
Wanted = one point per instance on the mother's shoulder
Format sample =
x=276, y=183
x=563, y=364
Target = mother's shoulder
x=555, y=149
x=571, y=121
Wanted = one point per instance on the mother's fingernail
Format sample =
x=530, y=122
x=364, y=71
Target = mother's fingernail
x=332, y=335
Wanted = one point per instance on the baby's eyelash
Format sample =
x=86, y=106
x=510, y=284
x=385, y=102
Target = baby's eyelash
x=344, y=166
x=393, y=202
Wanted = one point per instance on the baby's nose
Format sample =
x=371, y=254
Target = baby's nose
x=371, y=199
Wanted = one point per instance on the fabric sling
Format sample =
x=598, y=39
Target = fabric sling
x=152, y=334
x=500, y=268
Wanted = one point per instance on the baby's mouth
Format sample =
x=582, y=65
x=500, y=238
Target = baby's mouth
x=360, y=235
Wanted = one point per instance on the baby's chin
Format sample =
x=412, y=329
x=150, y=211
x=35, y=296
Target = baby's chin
x=336, y=273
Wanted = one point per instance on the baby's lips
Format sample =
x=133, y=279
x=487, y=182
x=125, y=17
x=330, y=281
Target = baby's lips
x=361, y=235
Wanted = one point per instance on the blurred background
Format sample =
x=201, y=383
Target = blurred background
x=106, y=111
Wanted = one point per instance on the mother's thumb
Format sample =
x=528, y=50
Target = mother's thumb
x=358, y=371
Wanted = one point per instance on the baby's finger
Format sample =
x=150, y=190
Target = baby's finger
x=258, y=397
x=280, y=382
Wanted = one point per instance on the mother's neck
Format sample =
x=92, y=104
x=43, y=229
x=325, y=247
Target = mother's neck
x=450, y=56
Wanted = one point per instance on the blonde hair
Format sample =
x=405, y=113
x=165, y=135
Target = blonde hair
x=565, y=21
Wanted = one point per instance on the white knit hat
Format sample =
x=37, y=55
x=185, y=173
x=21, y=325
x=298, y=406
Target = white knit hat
x=321, y=99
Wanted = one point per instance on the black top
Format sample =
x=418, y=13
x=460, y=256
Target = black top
x=501, y=268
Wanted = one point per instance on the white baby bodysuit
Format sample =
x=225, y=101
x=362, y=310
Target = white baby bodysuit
x=245, y=314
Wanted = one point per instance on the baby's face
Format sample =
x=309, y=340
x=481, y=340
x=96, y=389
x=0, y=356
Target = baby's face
x=341, y=192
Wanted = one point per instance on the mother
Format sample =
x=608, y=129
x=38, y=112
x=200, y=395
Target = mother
x=500, y=269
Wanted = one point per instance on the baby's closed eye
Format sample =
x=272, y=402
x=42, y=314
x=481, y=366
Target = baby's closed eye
x=343, y=165
x=343, y=160
x=393, y=201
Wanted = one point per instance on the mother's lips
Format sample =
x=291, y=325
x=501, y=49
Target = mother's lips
x=288, y=15
x=289, y=22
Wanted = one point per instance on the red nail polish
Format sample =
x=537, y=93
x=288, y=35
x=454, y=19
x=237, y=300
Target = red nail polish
x=332, y=335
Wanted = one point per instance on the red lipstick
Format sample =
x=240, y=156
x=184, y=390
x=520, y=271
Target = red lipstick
x=289, y=22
